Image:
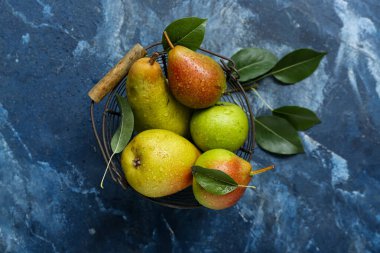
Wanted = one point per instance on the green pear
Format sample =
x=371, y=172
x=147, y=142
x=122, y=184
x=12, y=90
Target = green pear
x=195, y=80
x=224, y=125
x=152, y=104
x=231, y=164
x=158, y=162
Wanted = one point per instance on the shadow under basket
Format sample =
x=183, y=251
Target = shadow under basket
x=111, y=116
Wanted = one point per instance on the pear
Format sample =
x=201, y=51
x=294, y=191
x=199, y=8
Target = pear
x=224, y=125
x=158, y=162
x=195, y=80
x=231, y=164
x=152, y=104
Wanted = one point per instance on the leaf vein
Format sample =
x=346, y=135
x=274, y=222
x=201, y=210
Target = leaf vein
x=294, y=65
x=190, y=32
x=270, y=130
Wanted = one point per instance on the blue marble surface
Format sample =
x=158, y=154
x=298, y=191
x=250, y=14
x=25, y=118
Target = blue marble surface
x=52, y=52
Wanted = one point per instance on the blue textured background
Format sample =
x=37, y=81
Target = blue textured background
x=52, y=52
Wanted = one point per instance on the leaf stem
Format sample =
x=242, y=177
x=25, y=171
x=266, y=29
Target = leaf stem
x=105, y=172
x=168, y=40
x=262, y=99
x=262, y=77
x=259, y=171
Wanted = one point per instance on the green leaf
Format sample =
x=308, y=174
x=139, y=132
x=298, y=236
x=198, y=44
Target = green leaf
x=188, y=32
x=277, y=135
x=297, y=65
x=214, y=181
x=124, y=132
x=253, y=62
x=301, y=118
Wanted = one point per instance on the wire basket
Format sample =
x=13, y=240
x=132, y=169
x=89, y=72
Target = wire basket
x=111, y=115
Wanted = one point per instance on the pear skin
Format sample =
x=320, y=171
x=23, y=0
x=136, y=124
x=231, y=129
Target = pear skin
x=158, y=162
x=232, y=165
x=224, y=125
x=195, y=80
x=152, y=104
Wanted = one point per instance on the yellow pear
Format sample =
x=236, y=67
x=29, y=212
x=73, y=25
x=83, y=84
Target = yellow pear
x=152, y=104
x=158, y=162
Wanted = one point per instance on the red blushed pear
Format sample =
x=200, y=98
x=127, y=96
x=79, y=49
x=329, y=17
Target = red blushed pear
x=231, y=164
x=195, y=80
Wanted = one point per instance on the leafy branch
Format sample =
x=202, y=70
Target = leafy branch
x=277, y=133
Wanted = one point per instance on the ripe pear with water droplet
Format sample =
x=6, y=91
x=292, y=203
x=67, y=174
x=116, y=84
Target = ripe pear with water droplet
x=231, y=164
x=195, y=80
x=158, y=162
x=153, y=106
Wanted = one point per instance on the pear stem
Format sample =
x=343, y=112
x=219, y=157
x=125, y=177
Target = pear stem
x=153, y=58
x=247, y=186
x=259, y=171
x=168, y=40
